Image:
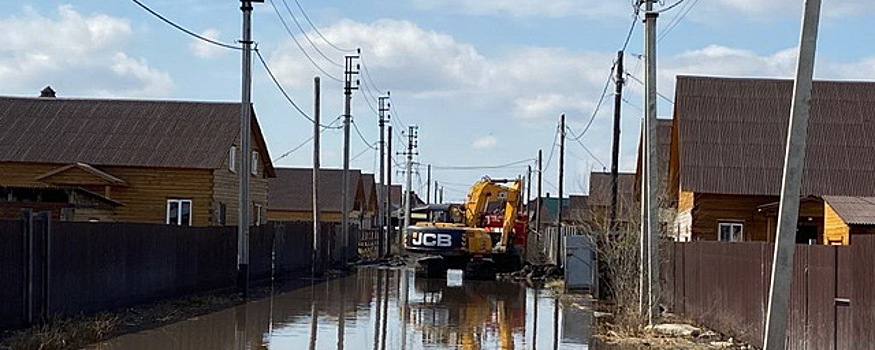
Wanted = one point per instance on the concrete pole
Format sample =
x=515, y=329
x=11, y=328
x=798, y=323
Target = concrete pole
x=540, y=184
x=317, y=221
x=347, y=117
x=381, y=216
x=408, y=193
x=651, y=222
x=794, y=162
x=428, y=186
x=245, y=153
x=389, y=225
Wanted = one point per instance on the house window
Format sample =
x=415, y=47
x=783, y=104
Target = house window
x=254, y=169
x=258, y=218
x=222, y=215
x=232, y=159
x=179, y=212
x=730, y=231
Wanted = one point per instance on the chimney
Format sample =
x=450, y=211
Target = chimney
x=47, y=92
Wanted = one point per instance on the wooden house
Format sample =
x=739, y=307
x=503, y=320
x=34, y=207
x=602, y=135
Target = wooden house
x=173, y=162
x=291, y=195
x=599, y=201
x=727, y=155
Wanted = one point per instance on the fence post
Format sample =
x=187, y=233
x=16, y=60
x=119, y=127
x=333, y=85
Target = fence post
x=27, y=218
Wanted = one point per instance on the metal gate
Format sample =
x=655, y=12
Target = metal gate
x=580, y=263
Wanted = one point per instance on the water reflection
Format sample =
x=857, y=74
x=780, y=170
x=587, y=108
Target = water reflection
x=381, y=309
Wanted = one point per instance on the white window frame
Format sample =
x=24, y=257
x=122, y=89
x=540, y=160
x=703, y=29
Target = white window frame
x=179, y=203
x=731, y=225
x=232, y=159
x=254, y=163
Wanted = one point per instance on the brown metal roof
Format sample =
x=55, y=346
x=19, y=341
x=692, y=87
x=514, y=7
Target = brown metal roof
x=732, y=135
x=853, y=210
x=600, y=188
x=174, y=134
x=292, y=189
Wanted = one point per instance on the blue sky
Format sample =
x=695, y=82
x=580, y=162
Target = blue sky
x=485, y=80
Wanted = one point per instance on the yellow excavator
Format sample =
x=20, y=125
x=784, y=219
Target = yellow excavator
x=483, y=236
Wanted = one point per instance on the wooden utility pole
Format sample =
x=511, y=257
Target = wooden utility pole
x=560, y=236
x=615, y=151
x=528, y=186
x=347, y=118
x=794, y=162
x=245, y=152
x=436, y=190
x=381, y=213
x=317, y=221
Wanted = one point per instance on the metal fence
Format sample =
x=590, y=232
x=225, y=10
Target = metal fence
x=551, y=239
x=725, y=286
x=53, y=268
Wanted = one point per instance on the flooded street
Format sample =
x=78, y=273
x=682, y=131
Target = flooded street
x=382, y=308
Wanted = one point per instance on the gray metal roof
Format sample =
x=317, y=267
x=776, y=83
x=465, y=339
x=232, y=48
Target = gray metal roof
x=174, y=134
x=732, y=135
x=853, y=210
x=292, y=189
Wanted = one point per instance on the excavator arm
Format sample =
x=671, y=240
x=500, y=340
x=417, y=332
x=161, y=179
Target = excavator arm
x=487, y=190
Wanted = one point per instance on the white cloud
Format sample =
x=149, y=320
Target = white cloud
x=528, y=8
x=74, y=52
x=485, y=142
x=204, y=49
x=530, y=83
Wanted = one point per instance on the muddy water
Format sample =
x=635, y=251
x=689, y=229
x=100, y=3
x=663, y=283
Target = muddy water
x=382, y=309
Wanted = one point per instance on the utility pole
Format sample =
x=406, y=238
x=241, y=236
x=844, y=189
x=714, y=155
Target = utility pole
x=540, y=183
x=412, y=134
x=615, y=151
x=436, y=190
x=428, y=187
x=245, y=151
x=650, y=178
x=317, y=221
x=794, y=162
x=561, y=181
x=381, y=216
x=389, y=225
x=528, y=186
x=442, y=194
x=347, y=117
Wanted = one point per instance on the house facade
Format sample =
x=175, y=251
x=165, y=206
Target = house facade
x=727, y=153
x=111, y=160
x=291, y=196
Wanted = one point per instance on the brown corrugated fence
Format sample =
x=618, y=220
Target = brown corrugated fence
x=725, y=287
x=90, y=267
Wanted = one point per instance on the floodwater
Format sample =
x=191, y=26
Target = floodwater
x=379, y=309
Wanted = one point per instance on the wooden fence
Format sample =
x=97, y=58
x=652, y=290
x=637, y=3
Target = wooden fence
x=50, y=268
x=725, y=286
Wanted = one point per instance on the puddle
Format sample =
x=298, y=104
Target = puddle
x=382, y=308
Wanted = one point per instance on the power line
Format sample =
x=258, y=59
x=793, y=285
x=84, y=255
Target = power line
x=642, y=83
x=280, y=87
x=666, y=9
x=601, y=101
x=553, y=146
x=370, y=147
x=586, y=148
x=320, y=33
x=368, y=77
x=304, y=32
x=688, y=6
x=479, y=167
x=296, y=148
x=300, y=47
x=186, y=31
x=357, y=131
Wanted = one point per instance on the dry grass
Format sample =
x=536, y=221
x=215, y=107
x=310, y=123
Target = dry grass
x=72, y=333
